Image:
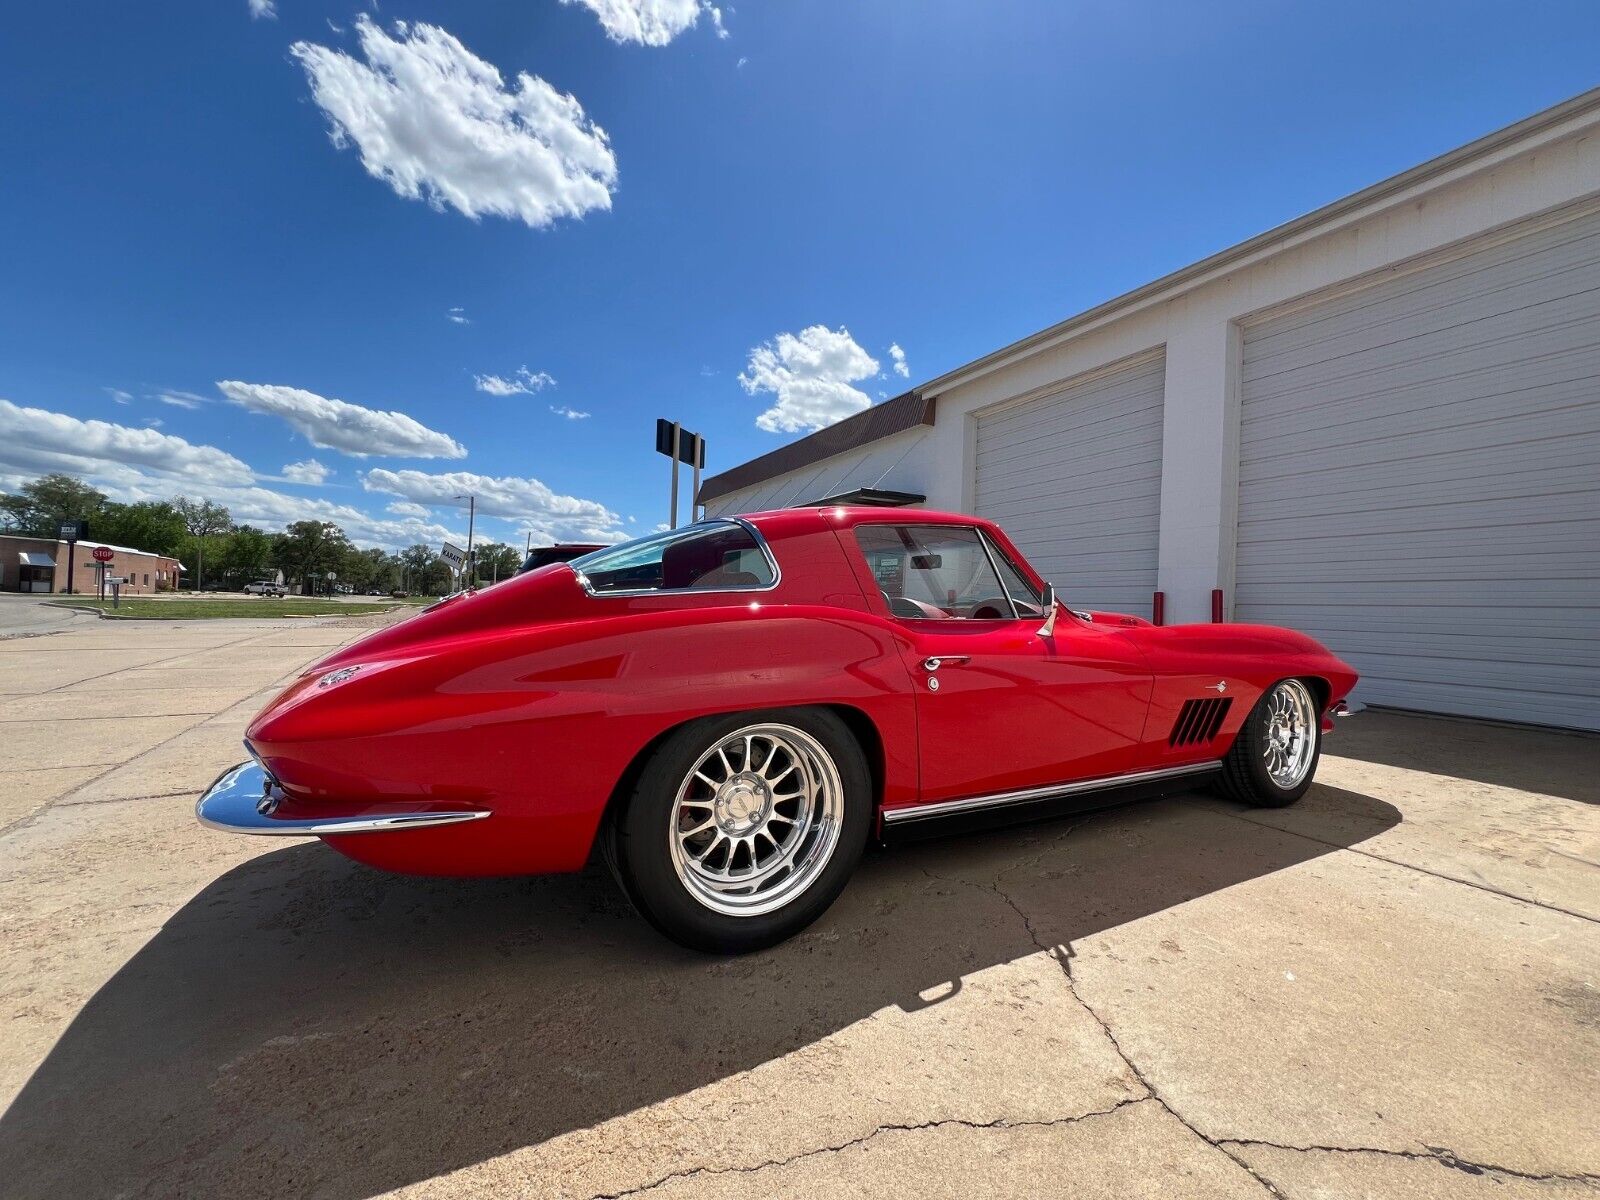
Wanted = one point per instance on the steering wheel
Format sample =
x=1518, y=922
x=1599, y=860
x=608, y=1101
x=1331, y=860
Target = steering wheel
x=904, y=606
x=997, y=609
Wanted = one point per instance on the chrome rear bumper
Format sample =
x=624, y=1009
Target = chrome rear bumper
x=244, y=798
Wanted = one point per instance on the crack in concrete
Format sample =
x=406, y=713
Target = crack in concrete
x=1488, y=889
x=835, y=1148
x=1442, y=1155
x=1063, y=956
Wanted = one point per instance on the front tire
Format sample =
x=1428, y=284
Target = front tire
x=743, y=828
x=1274, y=757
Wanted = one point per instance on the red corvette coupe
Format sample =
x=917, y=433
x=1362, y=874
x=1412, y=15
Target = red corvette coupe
x=731, y=710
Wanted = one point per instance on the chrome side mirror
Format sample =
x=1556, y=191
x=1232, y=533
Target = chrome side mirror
x=1048, y=629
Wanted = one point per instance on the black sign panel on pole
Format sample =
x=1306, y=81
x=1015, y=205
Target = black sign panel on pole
x=691, y=446
x=71, y=532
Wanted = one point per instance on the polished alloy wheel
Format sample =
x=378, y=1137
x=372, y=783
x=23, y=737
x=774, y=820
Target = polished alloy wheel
x=1291, y=738
x=756, y=820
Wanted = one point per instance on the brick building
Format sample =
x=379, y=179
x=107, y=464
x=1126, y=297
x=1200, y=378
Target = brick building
x=30, y=564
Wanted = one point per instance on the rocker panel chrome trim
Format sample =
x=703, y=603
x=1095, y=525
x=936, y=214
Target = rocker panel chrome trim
x=947, y=808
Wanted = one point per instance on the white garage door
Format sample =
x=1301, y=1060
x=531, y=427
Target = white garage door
x=1420, y=480
x=1075, y=479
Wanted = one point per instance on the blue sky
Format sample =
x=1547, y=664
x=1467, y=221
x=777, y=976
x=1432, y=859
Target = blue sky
x=195, y=272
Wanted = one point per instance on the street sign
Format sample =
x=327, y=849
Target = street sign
x=691, y=446
x=103, y=553
x=681, y=446
x=454, y=555
x=71, y=532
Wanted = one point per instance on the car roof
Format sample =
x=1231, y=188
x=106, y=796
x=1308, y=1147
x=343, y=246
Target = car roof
x=782, y=522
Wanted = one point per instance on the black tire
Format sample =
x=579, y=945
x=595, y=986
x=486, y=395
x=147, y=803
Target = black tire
x=637, y=848
x=1245, y=776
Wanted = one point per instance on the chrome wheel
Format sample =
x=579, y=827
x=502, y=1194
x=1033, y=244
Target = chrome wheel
x=756, y=820
x=1291, y=735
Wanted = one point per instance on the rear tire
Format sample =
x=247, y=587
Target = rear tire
x=1274, y=758
x=742, y=829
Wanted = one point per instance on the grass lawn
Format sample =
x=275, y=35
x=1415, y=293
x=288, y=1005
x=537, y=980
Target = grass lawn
x=143, y=608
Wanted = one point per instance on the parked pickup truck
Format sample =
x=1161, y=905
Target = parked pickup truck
x=265, y=587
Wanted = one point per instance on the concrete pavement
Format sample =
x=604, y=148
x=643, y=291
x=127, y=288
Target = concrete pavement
x=1387, y=990
x=23, y=614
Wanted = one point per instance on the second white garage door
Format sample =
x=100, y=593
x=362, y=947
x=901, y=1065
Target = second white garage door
x=1075, y=479
x=1420, y=480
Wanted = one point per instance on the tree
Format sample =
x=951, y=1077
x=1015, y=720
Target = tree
x=202, y=519
x=246, y=556
x=153, y=525
x=307, y=550
x=415, y=562
x=367, y=570
x=497, y=561
x=41, y=505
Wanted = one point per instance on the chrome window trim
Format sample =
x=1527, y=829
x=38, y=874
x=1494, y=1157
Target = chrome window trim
x=999, y=580
x=945, y=808
x=747, y=589
x=1000, y=556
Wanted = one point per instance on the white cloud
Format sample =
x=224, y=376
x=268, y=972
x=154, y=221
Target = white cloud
x=404, y=508
x=741, y=62
x=526, y=501
x=272, y=510
x=648, y=22
x=524, y=382
x=153, y=422
x=337, y=425
x=458, y=316
x=716, y=21
x=34, y=440
x=899, y=356
x=120, y=396
x=310, y=471
x=810, y=373
x=141, y=464
x=180, y=399
x=437, y=123
x=571, y=414
x=263, y=10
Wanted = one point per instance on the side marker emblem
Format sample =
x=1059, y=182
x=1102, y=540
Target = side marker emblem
x=1219, y=687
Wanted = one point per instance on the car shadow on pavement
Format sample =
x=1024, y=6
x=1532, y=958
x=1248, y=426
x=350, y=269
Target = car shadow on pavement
x=307, y=1026
x=1549, y=762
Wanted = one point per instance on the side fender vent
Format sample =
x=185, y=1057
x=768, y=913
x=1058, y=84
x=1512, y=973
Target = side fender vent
x=1198, y=721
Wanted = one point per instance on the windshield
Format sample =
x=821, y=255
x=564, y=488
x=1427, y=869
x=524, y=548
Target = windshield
x=710, y=556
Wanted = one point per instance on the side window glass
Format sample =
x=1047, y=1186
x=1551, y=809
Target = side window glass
x=1023, y=594
x=934, y=572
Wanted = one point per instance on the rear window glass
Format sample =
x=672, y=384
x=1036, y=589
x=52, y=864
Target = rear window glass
x=711, y=556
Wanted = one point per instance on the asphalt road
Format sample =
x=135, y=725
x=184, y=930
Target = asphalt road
x=1389, y=990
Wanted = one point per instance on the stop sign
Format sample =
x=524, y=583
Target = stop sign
x=102, y=553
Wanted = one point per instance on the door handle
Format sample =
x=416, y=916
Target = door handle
x=934, y=661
